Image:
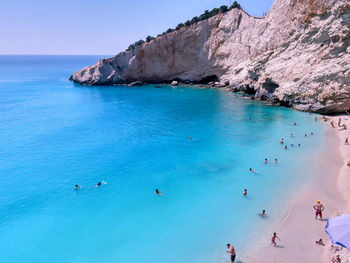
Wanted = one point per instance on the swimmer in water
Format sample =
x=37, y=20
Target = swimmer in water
x=263, y=213
x=311, y=133
x=305, y=135
x=291, y=135
x=281, y=141
x=245, y=192
x=76, y=187
x=285, y=147
x=98, y=184
x=265, y=161
x=294, y=123
x=250, y=169
x=190, y=138
x=276, y=161
x=299, y=145
x=158, y=193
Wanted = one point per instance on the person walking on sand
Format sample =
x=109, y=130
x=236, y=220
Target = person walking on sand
x=232, y=252
x=346, y=141
x=332, y=123
x=319, y=209
x=273, y=239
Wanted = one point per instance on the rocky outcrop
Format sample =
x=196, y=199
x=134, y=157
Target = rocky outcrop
x=297, y=55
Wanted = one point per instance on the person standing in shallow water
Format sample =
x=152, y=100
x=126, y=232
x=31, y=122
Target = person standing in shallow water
x=245, y=192
x=232, y=252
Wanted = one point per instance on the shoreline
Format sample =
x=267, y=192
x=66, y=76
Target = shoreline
x=297, y=228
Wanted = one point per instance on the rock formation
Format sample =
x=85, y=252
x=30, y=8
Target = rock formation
x=297, y=55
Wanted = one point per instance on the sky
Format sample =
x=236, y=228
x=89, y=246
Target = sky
x=99, y=27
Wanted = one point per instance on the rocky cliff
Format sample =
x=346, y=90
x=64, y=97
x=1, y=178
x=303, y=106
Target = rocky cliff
x=297, y=55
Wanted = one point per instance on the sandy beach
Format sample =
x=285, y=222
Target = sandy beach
x=298, y=229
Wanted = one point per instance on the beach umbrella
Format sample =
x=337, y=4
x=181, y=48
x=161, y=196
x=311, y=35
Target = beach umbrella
x=338, y=230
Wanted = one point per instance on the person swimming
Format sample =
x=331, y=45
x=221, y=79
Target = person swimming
x=281, y=141
x=276, y=161
x=299, y=145
x=158, y=193
x=245, y=192
x=263, y=213
x=294, y=123
x=250, y=169
x=76, y=187
x=311, y=133
x=265, y=161
x=285, y=147
x=190, y=138
x=291, y=135
x=98, y=184
x=305, y=135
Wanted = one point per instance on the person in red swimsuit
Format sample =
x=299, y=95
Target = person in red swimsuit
x=319, y=209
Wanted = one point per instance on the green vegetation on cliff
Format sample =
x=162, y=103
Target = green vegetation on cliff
x=206, y=15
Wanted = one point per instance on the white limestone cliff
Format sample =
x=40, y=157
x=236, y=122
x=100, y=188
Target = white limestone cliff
x=297, y=55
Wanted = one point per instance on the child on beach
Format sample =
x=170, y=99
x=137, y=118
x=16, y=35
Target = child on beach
x=273, y=239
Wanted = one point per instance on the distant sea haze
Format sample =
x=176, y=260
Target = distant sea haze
x=56, y=134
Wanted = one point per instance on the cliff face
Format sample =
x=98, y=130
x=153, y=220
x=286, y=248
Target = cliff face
x=297, y=55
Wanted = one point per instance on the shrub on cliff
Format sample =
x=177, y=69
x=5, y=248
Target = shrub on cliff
x=206, y=15
x=149, y=38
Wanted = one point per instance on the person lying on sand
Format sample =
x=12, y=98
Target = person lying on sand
x=250, y=169
x=320, y=242
x=319, y=209
x=273, y=239
x=336, y=259
x=158, y=193
x=343, y=127
x=263, y=213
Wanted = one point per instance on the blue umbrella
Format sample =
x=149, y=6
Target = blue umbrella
x=338, y=230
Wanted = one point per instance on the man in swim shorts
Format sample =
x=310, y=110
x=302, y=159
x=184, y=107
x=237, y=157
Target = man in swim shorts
x=318, y=208
x=232, y=252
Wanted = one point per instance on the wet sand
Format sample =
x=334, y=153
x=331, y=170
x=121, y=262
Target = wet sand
x=298, y=229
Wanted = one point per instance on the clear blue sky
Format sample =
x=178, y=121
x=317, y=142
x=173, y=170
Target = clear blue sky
x=95, y=26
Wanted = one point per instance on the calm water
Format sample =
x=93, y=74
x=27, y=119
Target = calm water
x=55, y=134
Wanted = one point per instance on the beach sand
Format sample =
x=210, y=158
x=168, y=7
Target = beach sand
x=298, y=229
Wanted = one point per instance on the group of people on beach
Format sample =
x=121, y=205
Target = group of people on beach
x=319, y=208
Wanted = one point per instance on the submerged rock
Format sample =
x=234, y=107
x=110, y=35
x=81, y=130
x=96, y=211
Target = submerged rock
x=135, y=83
x=298, y=55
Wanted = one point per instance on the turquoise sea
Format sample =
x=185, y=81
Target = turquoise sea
x=55, y=134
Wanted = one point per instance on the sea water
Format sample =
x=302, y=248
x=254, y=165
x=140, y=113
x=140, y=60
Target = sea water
x=55, y=134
